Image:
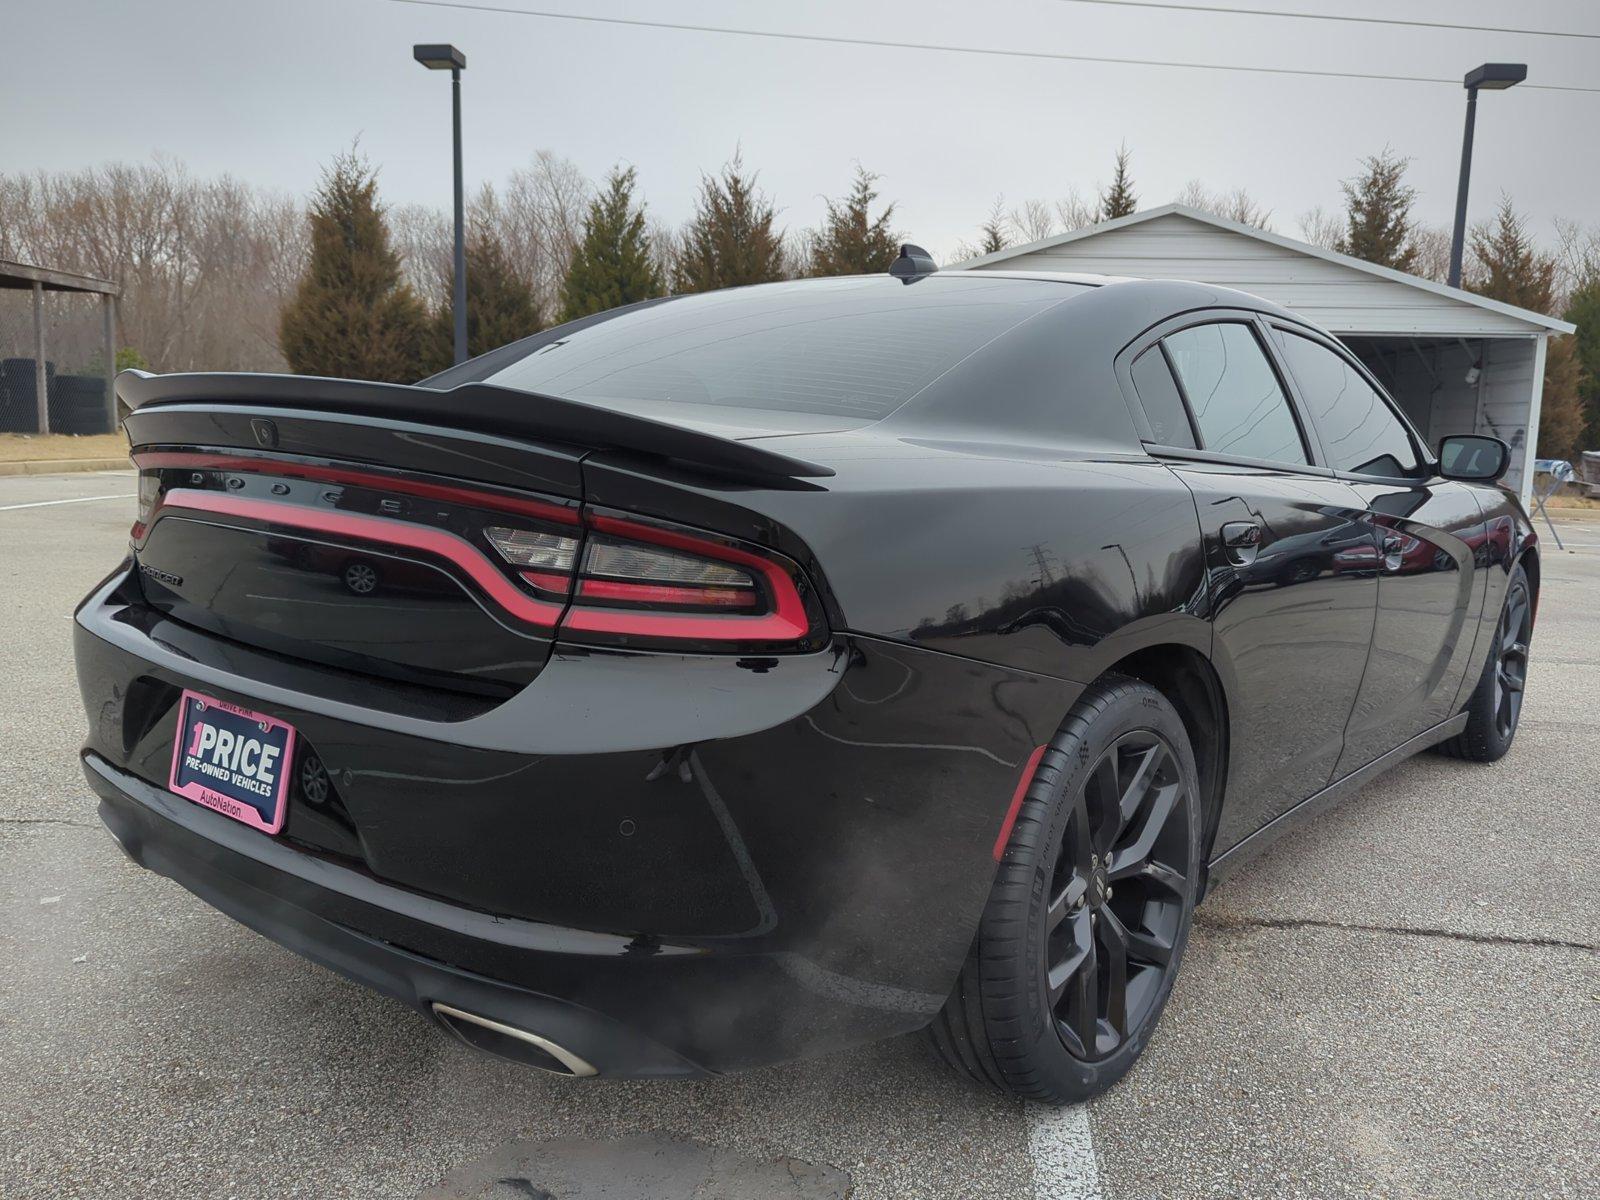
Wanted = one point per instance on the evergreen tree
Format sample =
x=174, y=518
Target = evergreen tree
x=1563, y=418
x=1583, y=310
x=730, y=240
x=994, y=229
x=1378, y=213
x=1119, y=199
x=850, y=241
x=352, y=316
x=500, y=305
x=1508, y=267
x=614, y=263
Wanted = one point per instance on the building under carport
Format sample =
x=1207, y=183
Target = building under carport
x=1455, y=361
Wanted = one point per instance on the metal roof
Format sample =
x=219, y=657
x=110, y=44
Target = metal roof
x=1429, y=308
x=21, y=276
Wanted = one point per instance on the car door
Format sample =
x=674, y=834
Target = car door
x=1430, y=589
x=1290, y=556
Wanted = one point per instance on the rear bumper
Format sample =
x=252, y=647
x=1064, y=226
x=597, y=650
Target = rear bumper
x=657, y=907
x=313, y=907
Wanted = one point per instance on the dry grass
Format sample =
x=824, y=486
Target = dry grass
x=52, y=447
x=1572, y=501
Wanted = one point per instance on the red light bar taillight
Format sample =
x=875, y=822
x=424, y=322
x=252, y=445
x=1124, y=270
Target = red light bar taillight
x=646, y=582
x=584, y=575
x=149, y=498
x=639, y=583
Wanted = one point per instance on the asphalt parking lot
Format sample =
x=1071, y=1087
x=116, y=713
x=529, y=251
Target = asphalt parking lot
x=1401, y=999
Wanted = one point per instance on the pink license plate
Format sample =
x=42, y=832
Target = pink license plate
x=232, y=760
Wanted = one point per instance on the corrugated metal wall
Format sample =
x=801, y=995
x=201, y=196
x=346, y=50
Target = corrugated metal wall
x=1429, y=381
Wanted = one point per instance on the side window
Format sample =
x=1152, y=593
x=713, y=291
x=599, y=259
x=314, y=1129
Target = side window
x=1234, y=394
x=1359, y=431
x=1161, y=400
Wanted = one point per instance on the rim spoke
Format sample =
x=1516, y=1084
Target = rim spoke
x=1145, y=947
x=1514, y=614
x=1108, y=787
x=1080, y=952
x=1083, y=847
x=1066, y=900
x=1162, y=876
x=1085, y=995
x=1129, y=859
x=1114, y=948
x=1134, y=793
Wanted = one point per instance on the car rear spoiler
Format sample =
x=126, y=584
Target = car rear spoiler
x=474, y=407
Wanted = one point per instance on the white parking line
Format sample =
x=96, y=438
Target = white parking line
x=74, y=500
x=1062, y=1149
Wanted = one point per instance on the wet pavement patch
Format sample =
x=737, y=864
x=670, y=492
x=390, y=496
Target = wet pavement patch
x=639, y=1168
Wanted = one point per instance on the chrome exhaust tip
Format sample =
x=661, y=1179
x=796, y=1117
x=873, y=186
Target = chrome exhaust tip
x=507, y=1041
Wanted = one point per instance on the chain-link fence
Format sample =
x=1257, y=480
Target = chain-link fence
x=71, y=376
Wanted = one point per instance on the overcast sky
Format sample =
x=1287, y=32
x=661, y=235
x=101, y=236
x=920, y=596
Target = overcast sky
x=269, y=90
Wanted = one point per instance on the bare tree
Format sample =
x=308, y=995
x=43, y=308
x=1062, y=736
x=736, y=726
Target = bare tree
x=1433, y=253
x=1237, y=205
x=1577, y=256
x=1074, y=212
x=424, y=238
x=1032, y=220
x=1322, y=228
x=540, y=215
x=203, y=265
x=994, y=235
x=666, y=243
x=799, y=250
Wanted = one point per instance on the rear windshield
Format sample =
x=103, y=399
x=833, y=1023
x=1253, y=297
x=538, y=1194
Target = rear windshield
x=856, y=347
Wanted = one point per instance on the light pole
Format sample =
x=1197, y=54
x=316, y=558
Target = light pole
x=448, y=58
x=1496, y=77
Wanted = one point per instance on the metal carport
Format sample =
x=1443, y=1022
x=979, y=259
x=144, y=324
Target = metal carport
x=16, y=276
x=1455, y=361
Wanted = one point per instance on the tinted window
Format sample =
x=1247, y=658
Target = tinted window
x=1359, y=431
x=1161, y=400
x=846, y=347
x=1234, y=394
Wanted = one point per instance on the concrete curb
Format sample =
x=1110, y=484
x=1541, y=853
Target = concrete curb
x=59, y=466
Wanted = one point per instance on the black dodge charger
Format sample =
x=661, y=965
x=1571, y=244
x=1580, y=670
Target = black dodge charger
x=750, y=675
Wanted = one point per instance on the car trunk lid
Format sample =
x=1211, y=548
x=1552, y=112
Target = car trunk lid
x=421, y=535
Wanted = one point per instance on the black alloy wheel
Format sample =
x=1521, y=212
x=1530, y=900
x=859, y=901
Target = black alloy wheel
x=1118, y=894
x=1511, y=672
x=1085, y=927
x=1495, y=707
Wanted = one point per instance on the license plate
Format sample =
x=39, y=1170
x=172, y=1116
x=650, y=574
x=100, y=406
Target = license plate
x=232, y=760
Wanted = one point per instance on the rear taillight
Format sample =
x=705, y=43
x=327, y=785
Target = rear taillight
x=646, y=582
x=149, y=496
x=633, y=574
x=544, y=557
x=637, y=584
x=599, y=577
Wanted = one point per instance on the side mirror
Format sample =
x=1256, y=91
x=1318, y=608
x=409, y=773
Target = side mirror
x=1473, y=457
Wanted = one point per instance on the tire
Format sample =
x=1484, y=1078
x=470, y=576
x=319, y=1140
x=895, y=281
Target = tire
x=1049, y=906
x=1495, y=706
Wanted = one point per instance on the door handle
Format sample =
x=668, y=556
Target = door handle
x=1241, y=540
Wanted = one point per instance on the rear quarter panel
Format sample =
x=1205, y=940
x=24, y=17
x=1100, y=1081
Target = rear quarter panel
x=1035, y=559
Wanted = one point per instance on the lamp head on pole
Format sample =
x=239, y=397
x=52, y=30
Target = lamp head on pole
x=1489, y=77
x=446, y=57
